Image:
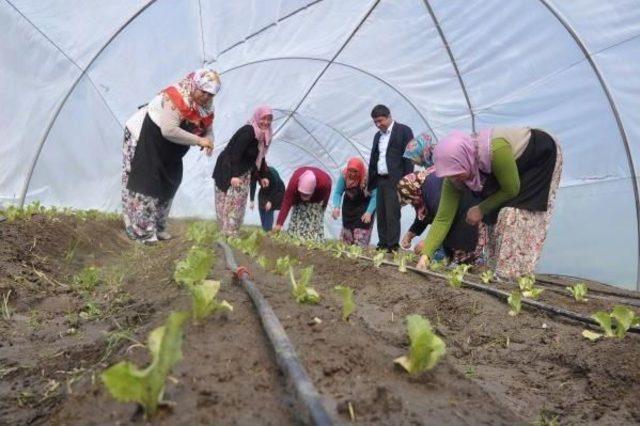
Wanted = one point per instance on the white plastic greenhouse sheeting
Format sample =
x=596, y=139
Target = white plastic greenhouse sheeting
x=73, y=71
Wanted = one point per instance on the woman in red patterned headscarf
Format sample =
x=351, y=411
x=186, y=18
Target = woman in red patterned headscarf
x=357, y=205
x=155, y=140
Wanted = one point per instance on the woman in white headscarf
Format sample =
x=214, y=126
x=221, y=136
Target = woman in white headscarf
x=155, y=140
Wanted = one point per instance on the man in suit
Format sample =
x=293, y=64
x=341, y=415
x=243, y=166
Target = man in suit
x=386, y=168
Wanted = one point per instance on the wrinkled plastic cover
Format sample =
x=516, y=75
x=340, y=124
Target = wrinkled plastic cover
x=68, y=85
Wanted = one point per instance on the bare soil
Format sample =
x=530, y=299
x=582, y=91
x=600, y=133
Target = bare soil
x=51, y=358
x=497, y=370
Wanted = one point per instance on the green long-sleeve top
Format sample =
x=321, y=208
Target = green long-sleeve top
x=503, y=166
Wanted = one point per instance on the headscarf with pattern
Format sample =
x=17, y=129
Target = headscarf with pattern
x=420, y=150
x=263, y=136
x=199, y=118
x=355, y=163
x=461, y=153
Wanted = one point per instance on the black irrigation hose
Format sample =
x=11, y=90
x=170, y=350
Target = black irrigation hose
x=633, y=300
x=593, y=294
x=504, y=295
x=284, y=350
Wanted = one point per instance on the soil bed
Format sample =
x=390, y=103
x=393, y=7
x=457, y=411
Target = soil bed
x=498, y=369
x=51, y=354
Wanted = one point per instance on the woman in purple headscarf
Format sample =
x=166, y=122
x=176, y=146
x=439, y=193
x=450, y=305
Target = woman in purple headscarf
x=243, y=156
x=516, y=173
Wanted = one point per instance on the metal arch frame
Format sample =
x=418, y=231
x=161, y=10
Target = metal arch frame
x=445, y=42
x=324, y=148
x=345, y=137
x=25, y=186
x=616, y=114
x=318, y=159
x=353, y=67
x=328, y=64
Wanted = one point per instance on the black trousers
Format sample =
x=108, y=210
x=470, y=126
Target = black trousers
x=388, y=214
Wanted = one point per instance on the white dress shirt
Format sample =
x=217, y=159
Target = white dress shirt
x=383, y=144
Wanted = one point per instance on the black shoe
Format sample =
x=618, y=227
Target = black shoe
x=393, y=248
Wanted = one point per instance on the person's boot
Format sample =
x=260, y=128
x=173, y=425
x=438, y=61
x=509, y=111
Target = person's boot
x=164, y=235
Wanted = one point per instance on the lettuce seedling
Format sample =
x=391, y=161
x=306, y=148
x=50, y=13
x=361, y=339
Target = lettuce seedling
x=354, y=251
x=203, y=296
x=263, y=262
x=425, y=349
x=195, y=267
x=301, y=290
x=526, y=284
x=378, y=259
x=283, y=264
x=128, y=383
x=456, y=275
x=487, y=276
x=621, y=317
x=579, y=292
x=515, y=302
x=348, y=306
x=202, y=232
x=436, y=265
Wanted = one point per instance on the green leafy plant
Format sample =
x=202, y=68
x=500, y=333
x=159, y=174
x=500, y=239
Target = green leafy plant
x=90, y=311
x=348, y=306
x=262, y=261
x=515, y=303
x=378, y=259
x=400, y=259
x=436, y=265
x=487, y=276
x=203, y=296
x=283, y=264
x=425, y=349
x=128, y=383
x=526, y=284
x=87, y=279
x=456, y=275
x=195, y=267
x=579, y=292
x=202, y=232
x=354, y=251
x=6, y=310
x=614, y=324
x=300, y=289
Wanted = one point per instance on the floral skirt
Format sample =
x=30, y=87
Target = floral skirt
x=516, y=240
x=143, y=216
x=231, y=206
x=357, y=236
x=307, y=221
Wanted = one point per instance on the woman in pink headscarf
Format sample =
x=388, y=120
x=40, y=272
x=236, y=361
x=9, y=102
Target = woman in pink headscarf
x=243, y=156
x=307, y=193
x=516, y=172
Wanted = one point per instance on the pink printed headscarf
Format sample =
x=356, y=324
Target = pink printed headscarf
x=460, y=152
x=263, y=136
x=307, y=183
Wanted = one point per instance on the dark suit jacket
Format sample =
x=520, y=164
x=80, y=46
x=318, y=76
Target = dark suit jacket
x=397, y=166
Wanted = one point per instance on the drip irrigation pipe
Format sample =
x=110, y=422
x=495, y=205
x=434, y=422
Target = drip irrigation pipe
x=504, y=295
x=613, y=294
x=285, y=352
x=593, y=294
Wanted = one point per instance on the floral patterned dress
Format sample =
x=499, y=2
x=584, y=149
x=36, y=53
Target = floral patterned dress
x=231, y=205
x=307, y=221
x=515, y=241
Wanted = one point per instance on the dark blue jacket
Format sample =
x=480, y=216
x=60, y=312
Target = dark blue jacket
x=396, y=165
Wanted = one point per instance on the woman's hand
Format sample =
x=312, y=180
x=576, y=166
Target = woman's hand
x=335, y=213
x=277, y=228
x=418, y=248
x=264, y=182
x=267, y=206
x=207, y=145
x=366, y=218
x=236, y=182
x=423, y=262
x=406, y=240
x=474, y=215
